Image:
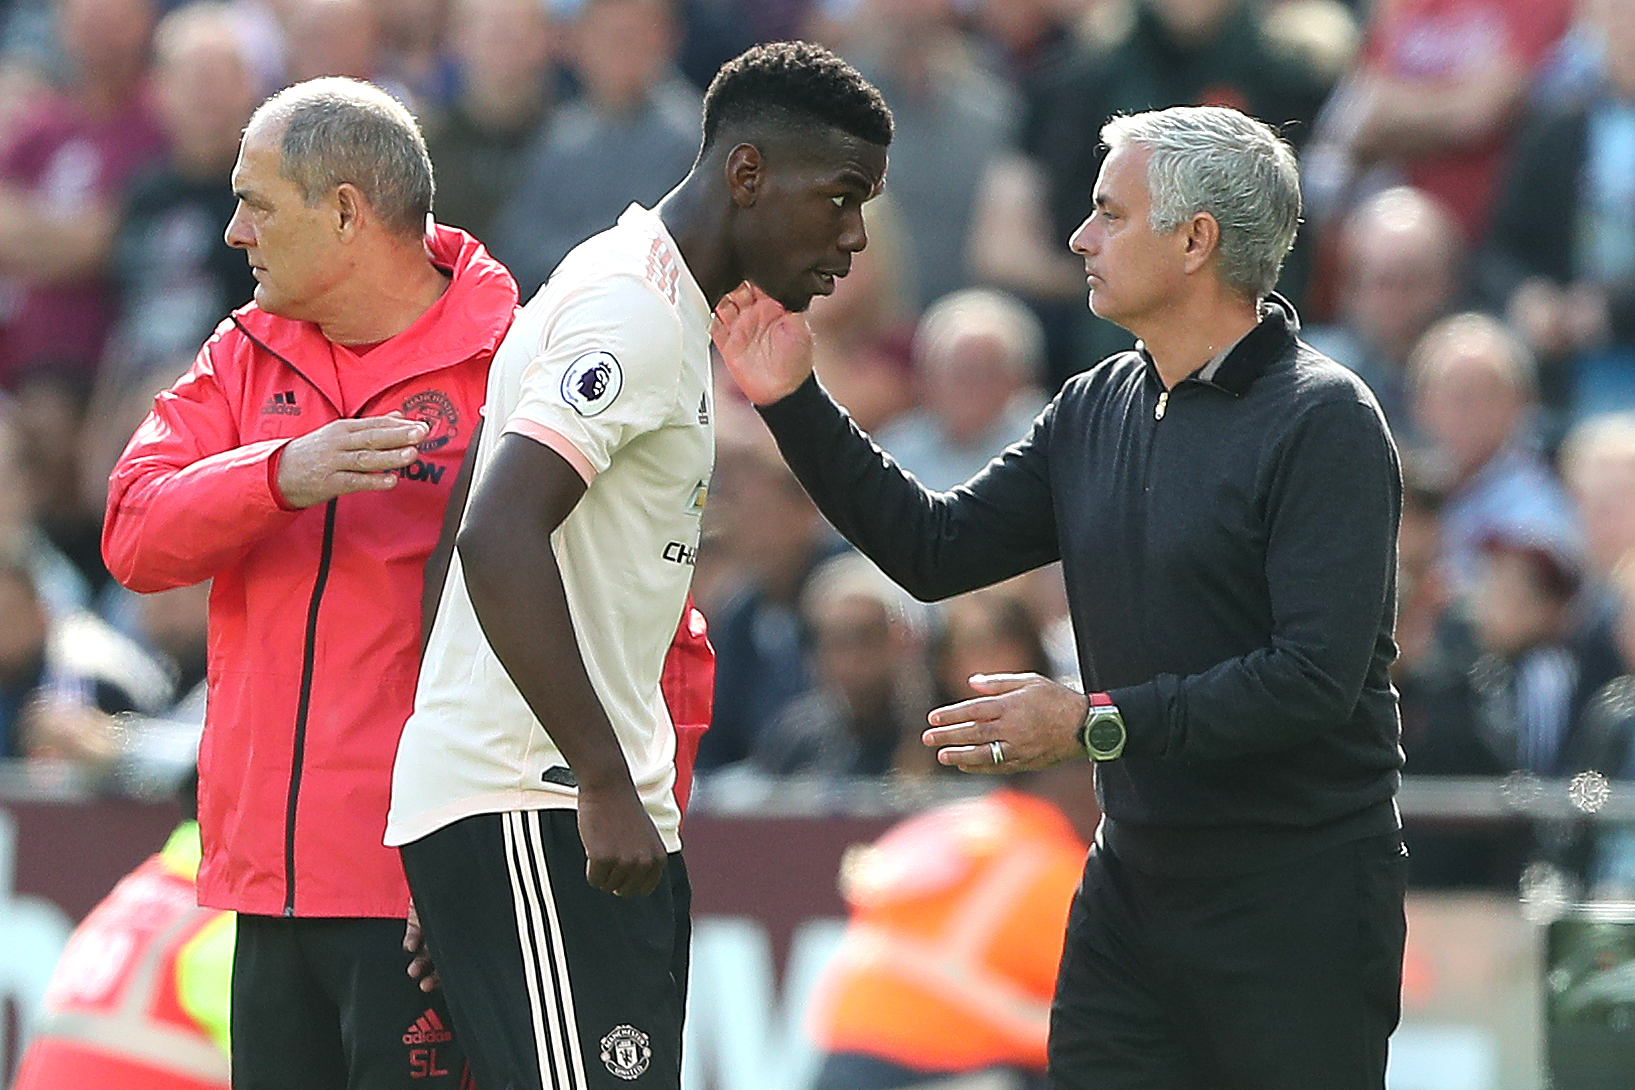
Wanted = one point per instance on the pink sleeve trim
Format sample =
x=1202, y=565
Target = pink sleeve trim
x=556, y=441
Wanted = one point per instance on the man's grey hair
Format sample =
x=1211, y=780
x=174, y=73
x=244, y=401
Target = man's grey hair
x=337, y=131
x=984, y=310
x=1218, y=160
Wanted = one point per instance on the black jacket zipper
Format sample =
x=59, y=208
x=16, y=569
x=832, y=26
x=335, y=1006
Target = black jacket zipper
x=309, y=647
x=308, y=662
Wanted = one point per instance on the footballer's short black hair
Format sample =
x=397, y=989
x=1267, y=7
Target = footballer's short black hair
x=795, y=83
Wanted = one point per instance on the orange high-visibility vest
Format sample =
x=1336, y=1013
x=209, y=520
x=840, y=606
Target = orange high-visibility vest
x=949, y=960
x=139, y=999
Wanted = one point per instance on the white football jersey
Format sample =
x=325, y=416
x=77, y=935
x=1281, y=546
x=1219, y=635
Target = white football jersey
x=609, y=366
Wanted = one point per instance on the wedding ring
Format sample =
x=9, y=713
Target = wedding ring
x=997, y=751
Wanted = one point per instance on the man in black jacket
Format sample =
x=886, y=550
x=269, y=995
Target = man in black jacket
x=1224, y=501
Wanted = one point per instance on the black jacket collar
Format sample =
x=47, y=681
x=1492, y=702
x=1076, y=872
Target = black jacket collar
x=1247, y=360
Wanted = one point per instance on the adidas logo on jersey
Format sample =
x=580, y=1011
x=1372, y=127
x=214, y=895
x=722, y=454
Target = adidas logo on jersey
x=281, y=404
x=428, y=1029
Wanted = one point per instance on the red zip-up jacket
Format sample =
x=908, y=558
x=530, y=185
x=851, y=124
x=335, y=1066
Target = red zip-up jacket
x=314, y=613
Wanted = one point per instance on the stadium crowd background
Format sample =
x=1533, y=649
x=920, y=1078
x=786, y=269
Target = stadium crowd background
x=1469, y=248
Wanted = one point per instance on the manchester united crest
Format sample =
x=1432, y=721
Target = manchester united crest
x=626, y=1051
x=434, y=409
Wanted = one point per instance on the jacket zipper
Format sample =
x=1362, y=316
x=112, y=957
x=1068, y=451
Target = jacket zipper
x=308, y=662
x=1159, y=409
x=309, y=649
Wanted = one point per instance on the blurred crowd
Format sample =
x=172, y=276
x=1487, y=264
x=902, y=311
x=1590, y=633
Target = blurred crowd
x=1468, y=248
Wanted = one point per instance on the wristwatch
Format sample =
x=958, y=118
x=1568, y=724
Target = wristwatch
x=1103, y=730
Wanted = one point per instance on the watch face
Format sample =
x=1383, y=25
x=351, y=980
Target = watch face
x=1105, y=735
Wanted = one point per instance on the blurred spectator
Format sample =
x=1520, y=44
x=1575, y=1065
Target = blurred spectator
x=1025, y=38
x=1561, y=258
x=948, y=961
x=1598, y=466
x=1400, y=269
x=1475, y=405
x=1432, y=674
x=1606, y=739
x=1173, y=52
x=504, y=49
x=156, y=744
x=979, y=356
x=1528, y=685
x=951, y=117
x=987, y=631
x=261, y=29
x=139, y=999
x=23, y=641
x=630, y=135
x=762, y=524
x=1609, y=729
x=1541, y=705
x=177, y=276
x=1424, y=596
x=1045, y=592
x=118, y=406
x=1537, y=705
x=1506, y=689
x=50, y=412
x=158, y=747
x=1574, y=69
x=24, y=65
x=1434, y=102
x=61, y=183
x=715, y=31
x=171, y=626
x=870, y=700
x=26, y=36
x=1434, y=646
x=56, y=578
x=61, y=677
x=414, y=50
x=338, y=38
x=864, y=330
x=1511, y=693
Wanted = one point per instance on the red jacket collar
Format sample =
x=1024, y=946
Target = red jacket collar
x=469, y=319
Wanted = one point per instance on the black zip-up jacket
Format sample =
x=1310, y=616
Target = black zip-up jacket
x=1229, y=548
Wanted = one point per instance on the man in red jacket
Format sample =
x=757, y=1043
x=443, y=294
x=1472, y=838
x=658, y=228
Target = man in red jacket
x=303, y=464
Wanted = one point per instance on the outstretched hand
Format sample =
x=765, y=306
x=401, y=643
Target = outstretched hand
x=767, y=349
x=1034, y=720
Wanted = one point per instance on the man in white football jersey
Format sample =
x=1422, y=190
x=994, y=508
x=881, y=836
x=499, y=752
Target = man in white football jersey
x=534, y=792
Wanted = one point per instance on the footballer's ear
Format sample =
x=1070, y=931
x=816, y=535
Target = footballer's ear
x=746, y=174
